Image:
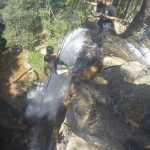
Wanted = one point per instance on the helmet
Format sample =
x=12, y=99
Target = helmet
x=48, y=58
x=50, y=49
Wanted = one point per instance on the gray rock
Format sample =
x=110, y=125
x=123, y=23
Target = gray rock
x=126, y=93
x=99, y=109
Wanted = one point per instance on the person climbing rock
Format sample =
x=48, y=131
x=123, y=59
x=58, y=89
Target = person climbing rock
x=57, y=62
x=107, y=16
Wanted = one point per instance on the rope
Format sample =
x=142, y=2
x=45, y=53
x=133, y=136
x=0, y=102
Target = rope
x=49, y=78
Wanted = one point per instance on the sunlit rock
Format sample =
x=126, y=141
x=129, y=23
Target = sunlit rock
x=112, y=61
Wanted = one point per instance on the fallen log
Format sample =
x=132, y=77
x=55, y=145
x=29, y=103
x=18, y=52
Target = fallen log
x=21, y=75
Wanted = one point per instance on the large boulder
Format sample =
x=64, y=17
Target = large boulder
x=103, y=112
x=110, y=61
x=125, y=90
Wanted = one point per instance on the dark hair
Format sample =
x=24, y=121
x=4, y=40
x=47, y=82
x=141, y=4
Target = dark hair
x=50, y=49
x=48, y=58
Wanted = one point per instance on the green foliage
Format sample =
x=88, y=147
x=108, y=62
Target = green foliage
x=23, y=19
x=147, y=43
x=36, y=60
x=121, y=6
x=19, y=18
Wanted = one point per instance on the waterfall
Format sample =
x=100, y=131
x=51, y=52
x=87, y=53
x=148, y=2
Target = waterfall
x=73, y=45
x=45, y=100
x=141, y=51
x=58, y=85
x=40, y=106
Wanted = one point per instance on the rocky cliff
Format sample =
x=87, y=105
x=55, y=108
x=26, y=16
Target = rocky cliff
x=109, y=110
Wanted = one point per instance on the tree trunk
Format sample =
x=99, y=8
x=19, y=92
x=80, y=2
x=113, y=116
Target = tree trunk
x=119, y=2
x=127, y=7
x=138, y=19
x=133, y=10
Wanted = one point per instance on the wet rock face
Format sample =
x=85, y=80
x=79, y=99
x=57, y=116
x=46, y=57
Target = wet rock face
x=98, y=110
x=112, y=61
x=88, y=63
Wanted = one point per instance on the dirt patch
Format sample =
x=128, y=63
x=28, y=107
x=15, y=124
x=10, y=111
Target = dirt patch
x=11, y=67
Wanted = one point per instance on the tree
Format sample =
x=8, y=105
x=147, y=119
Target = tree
x=25, y=20
x=127, y=7
x=138, y=19
x=138, y=2
x=19, y=18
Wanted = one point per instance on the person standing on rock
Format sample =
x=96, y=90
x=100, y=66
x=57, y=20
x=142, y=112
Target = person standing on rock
x=107, y=16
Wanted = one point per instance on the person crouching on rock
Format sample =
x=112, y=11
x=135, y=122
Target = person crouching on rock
x=49, y=65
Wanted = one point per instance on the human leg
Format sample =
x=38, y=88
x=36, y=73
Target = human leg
x=97, y=30
x=96, y=33
x=103, y=33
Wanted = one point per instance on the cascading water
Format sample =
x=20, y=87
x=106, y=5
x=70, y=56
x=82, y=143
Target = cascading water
x=58, y=83
x=141, y=51
x=45, y=100
x=73, y=45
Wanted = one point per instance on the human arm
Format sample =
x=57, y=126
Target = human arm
x=110, y=17
x=45, y=71
x=90, y=3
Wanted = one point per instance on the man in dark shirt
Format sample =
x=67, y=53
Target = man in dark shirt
x=107, y=16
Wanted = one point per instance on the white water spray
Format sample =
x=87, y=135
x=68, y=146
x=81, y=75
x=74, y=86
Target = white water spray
x=141, y=51
x=48, y=105
x=73, y=45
